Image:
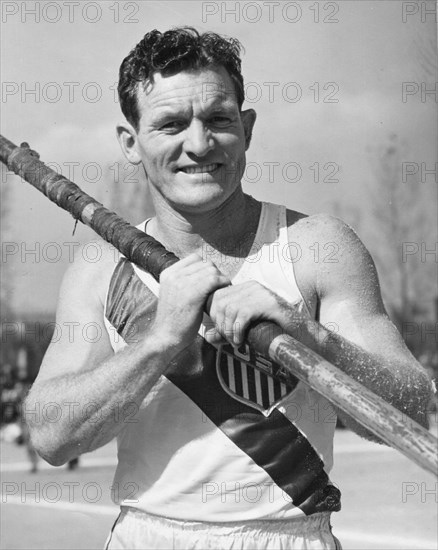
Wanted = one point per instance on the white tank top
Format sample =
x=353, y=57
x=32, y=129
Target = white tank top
x=231, y=443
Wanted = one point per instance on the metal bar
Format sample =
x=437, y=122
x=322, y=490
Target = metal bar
x=266, y=338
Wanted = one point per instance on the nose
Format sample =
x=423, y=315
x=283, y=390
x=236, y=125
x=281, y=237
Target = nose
x=198, y=139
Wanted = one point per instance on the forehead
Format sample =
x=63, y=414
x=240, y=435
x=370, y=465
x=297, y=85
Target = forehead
x=192, y=88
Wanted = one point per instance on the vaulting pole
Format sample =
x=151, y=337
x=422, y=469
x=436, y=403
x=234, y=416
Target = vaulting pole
x=266, y=338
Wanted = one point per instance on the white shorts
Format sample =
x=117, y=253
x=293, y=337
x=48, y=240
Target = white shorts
x=137, y=530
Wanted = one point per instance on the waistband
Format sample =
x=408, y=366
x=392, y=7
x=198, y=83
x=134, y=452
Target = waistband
x=296, y=526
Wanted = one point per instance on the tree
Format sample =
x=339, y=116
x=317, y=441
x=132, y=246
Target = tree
x=6, y=271
x=403, y=227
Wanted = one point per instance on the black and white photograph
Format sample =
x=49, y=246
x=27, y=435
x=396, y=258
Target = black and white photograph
x=219, y=293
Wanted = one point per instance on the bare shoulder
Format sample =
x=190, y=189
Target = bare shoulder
x=322, y=227
x=325, y=239
x=333, y=259
x=89, y=275
x=82, y=337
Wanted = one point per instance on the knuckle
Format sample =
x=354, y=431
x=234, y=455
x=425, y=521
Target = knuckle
x=170, y=279
x=231, y=309
x=205, y=262
x=212, y=271
x=219, y=279
x=165, y=276
x=194, y=256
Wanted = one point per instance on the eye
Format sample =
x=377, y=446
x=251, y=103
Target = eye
x=172, y=126
x=221, y=121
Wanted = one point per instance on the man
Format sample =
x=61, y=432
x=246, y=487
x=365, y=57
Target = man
x=212, y=452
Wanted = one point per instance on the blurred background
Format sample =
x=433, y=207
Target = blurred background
x=346, y=97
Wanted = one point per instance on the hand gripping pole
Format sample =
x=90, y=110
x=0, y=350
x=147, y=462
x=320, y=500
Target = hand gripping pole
x=296, y=360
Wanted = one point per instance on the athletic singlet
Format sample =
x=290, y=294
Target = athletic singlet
x=216, y=439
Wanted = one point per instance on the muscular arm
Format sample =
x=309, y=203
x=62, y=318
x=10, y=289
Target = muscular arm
x=82, y=385
x=361, y=341
x=96, y=390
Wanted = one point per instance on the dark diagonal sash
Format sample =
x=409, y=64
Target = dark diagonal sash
x=272, y=442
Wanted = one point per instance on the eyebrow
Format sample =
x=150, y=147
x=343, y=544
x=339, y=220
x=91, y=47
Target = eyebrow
x=168, y=111
x=221, y=101
x=164, y=113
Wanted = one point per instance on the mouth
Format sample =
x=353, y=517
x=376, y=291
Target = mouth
x=204, y=169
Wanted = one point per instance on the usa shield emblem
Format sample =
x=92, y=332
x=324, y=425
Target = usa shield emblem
x=251, y=378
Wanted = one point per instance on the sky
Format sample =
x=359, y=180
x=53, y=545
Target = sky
x=331, y=82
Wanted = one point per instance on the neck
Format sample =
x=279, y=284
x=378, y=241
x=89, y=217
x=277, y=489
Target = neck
x=222, y=228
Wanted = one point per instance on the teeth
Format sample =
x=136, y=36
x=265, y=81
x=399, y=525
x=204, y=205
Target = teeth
x=200, y=169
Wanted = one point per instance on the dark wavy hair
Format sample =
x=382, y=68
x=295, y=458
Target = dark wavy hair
x=176, y=50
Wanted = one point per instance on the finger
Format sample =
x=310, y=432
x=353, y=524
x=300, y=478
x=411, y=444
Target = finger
x=196, y=277
x=191, y=263
x=202, y=269
x=214, y=337
x=239, y=327
x=230, y=314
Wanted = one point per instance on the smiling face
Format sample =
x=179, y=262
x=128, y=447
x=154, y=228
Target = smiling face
x=192, y=138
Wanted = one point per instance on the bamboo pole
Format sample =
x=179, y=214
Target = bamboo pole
x=266, y=338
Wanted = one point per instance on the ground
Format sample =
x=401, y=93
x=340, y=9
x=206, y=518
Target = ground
x=388, y=502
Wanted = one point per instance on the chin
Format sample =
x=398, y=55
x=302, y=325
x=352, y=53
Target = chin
x=200, y=202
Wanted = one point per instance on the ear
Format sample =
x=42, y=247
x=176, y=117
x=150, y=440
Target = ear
x=127, y=137
x=248, y=118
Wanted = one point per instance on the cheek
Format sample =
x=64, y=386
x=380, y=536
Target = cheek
x=237, y=153
x=234, y=145
x=156, y=157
